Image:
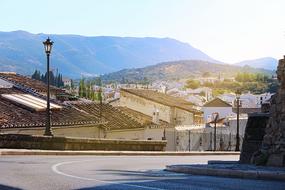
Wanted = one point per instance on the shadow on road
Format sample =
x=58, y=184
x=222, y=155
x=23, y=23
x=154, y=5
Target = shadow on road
x=141, y=181
x=5, y=187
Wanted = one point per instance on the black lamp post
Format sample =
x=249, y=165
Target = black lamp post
x=215, y=117
x=237, y=133
x=48, y=46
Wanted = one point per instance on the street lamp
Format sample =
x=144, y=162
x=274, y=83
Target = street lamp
x=238, y=93
x=48, y=46
x=215, y=117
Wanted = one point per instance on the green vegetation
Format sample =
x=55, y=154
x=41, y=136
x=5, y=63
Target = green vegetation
x=55, y=80
x=193, y=84
x=250, y=77
x=256, y=83
x=86, y=89
x=176, y=70
x=219, y=91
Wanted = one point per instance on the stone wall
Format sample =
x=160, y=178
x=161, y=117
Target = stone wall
x=95, y=132
x=63, y=131
x=273, y=144
x=254, y=134
x=64, y=143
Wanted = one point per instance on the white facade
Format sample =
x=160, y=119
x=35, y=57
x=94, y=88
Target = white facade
x=224, y=112
x=148, y=107
x=262, y=98
x=247, y=100
x=66, y=82
x=159, y=112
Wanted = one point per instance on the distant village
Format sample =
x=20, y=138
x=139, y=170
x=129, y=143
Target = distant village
x=162, y=110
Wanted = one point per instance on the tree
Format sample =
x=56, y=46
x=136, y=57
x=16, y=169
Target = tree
x=88, y=90
x=206, y=74
x=193, y=84
x=36, y=75
x=82, y=88
x=55, y=80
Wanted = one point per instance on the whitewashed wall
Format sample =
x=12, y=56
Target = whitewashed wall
x=145, y=106
x=203, y=139
x=166, y=113
x=223, y=112
x=184, y=117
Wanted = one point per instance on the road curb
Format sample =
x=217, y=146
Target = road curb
x=11, y=152
x=245, y=174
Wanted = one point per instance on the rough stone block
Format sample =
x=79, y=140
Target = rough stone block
x=64, y=143
x=276, y=160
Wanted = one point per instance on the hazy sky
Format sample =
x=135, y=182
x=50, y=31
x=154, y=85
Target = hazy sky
x=227, y=30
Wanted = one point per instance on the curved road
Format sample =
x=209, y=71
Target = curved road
x=115, y=172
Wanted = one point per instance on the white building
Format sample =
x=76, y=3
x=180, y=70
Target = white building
x=205, y=91
x=66, y=82
x=248, y=100
x=223, y=108
x=263, y=98
x=162, y=108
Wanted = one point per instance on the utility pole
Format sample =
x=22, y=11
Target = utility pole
x=237, y=133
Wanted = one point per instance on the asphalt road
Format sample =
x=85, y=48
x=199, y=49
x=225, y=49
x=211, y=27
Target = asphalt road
x=115, y=172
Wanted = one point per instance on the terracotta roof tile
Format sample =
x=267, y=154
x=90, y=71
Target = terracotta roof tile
x=115, y=117
x=163, y=99
x=217, y=102
x=28, y=83
x=72, y=114
x=15, y=116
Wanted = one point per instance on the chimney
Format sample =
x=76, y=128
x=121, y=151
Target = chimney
x=155, y=116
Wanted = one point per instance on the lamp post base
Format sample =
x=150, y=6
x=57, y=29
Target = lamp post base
x=48, y=133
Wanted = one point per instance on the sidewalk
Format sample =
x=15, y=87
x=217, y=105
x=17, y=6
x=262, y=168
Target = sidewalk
x=231, y=169
x=108, y=153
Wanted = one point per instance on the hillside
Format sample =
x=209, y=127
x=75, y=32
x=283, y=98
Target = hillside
x=74, y=55
x=180, y=70
x=265, y=63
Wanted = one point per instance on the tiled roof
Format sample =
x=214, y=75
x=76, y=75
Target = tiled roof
x=73, y=113
x=14, y=116
x=116, y=119
x=28, y=84
x=163, y=99
x=217, y=102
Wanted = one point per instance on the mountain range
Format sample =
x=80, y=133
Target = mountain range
x=265, y=63
x=75, y=55
x=176, y=70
